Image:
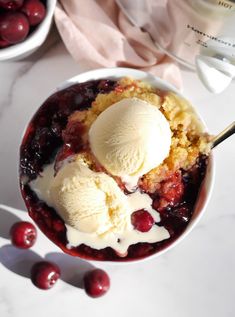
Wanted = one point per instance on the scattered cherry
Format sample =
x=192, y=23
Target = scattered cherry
x=14, y=27
x=96, y=283
x=45, y=274
x=23, y=234
x=11, y=4
x=142, y=220
x=34, y=10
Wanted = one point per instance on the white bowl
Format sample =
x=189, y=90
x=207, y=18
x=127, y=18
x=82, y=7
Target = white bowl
x=33, y=41
x=207, y=185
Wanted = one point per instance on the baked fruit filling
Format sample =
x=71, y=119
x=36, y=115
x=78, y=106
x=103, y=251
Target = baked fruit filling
x=111, y=170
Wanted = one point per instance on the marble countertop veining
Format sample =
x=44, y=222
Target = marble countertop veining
x=196, y=278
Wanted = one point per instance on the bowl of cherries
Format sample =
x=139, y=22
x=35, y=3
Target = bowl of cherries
x=24, y=25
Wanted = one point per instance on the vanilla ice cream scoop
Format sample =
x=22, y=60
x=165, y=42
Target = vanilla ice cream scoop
x=130, y=138
x=95, y=210
x=89, y=201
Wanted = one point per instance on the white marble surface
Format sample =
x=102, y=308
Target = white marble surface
x=194, y=279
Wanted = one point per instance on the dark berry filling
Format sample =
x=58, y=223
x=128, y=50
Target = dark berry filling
x=45, y=141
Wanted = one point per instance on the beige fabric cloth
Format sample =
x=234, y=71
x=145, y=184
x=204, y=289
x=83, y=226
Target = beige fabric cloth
x=97, y=33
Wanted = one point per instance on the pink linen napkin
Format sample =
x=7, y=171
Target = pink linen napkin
x=97, y=33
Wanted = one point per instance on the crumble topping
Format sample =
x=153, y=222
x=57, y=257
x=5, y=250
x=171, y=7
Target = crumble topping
x=188, y=139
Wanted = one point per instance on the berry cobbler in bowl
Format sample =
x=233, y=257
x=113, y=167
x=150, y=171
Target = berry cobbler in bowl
x=115, y=166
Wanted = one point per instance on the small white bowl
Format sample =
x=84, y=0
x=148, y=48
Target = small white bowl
x=33, y=41
x=207, y=185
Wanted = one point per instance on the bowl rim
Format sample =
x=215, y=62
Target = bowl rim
x=117, y=73
x=35, y=39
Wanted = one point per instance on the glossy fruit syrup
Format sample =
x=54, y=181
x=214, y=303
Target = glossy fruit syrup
x=45, y=141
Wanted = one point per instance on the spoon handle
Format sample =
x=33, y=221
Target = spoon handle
x=223, y=135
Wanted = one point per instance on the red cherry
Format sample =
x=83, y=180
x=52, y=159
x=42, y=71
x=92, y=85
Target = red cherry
x=142, y=220
x=11, y=4
x=14, y=27
x=96, y=283
x=3, y=43
x=23, y=234
x=45, y=274
x=34, y=10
